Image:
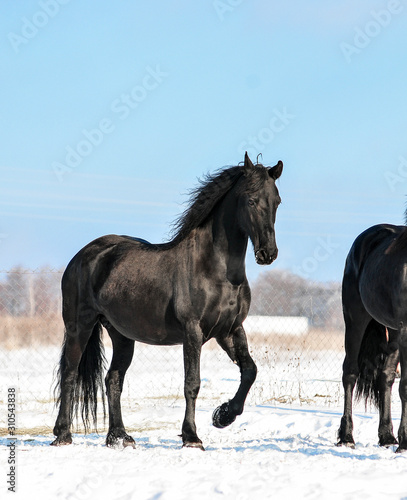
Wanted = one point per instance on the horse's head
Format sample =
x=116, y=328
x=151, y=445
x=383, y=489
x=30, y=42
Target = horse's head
x=258, y=202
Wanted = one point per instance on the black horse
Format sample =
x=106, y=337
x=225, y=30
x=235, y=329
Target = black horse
x=186, y=291
x=374, y=298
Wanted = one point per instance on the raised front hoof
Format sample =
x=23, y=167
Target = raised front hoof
x=62, y=441
x=119, y=441
x=222, y=417
x=189, y=444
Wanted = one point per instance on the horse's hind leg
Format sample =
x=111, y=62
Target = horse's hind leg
x=387, y=376
x=402, y=434
x=123, y=349
x=235, y=346
x=74, y=346
x=356, y=321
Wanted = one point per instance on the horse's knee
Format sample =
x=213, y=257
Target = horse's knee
x=113, y=382
x=249, y=375
x=349, y=379
x=387, y=378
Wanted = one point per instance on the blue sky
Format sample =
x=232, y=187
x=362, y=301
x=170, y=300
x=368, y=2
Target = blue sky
x=111, y=111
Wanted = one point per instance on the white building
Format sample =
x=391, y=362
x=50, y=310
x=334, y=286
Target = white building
x=277, y=325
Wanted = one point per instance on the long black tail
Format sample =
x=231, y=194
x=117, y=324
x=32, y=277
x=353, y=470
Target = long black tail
x=372, y=356
x=88, y=381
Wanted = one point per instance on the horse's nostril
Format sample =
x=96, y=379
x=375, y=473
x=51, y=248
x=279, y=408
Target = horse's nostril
x=261, y=257
x=264, y=258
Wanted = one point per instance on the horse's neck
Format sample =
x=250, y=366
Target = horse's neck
x=229, y=244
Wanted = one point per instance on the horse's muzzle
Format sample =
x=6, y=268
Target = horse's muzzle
x=264, y=258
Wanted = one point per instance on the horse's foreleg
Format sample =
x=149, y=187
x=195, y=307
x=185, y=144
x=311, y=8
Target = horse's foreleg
x=123, y=349
x=386, y=436
x=236, y=347
x=192, y=355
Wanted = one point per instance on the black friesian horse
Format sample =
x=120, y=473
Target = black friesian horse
x=374, y=297
x=186, y=291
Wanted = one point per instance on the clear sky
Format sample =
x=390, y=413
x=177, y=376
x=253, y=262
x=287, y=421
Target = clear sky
x=111, y=111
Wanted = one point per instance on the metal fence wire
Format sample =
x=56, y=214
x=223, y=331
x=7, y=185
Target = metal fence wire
x=295, y=334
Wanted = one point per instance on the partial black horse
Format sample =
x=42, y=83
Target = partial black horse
x=186, y=291
x=374, y=297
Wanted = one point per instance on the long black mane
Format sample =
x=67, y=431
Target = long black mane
x=203, y=199
x=210, y=191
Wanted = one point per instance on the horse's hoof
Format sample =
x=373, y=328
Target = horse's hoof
x=348, y=444
x=402, y=448
x=124, y=441
x=386, y=443
x=189, y=444
x=61, y=442
x=129, y=441
x=222, y=417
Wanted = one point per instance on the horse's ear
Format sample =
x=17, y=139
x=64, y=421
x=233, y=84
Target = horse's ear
x=275, y=172
x=248, y=165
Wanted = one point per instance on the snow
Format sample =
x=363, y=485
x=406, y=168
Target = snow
x=274, y=451
x=269, y=452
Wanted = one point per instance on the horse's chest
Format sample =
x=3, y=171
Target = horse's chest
x=223, y=309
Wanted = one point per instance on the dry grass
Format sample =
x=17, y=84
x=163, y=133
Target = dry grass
x=17, y=333
x=32, y=431
x=314, y=340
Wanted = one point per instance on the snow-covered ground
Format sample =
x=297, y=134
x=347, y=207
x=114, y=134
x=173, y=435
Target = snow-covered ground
x=273, y=450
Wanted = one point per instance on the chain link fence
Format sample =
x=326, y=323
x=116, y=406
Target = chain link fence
x=295, y=334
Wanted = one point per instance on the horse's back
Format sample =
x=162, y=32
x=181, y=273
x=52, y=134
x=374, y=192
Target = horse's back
x=98, y=255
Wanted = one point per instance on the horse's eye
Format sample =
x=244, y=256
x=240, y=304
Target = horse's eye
x=251, y=202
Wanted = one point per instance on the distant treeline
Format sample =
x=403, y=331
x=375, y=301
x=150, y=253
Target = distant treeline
x=28, y=293
x=282, y=293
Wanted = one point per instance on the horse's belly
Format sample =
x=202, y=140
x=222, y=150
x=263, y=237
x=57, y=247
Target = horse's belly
x=144, y=318
x=148, y=332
